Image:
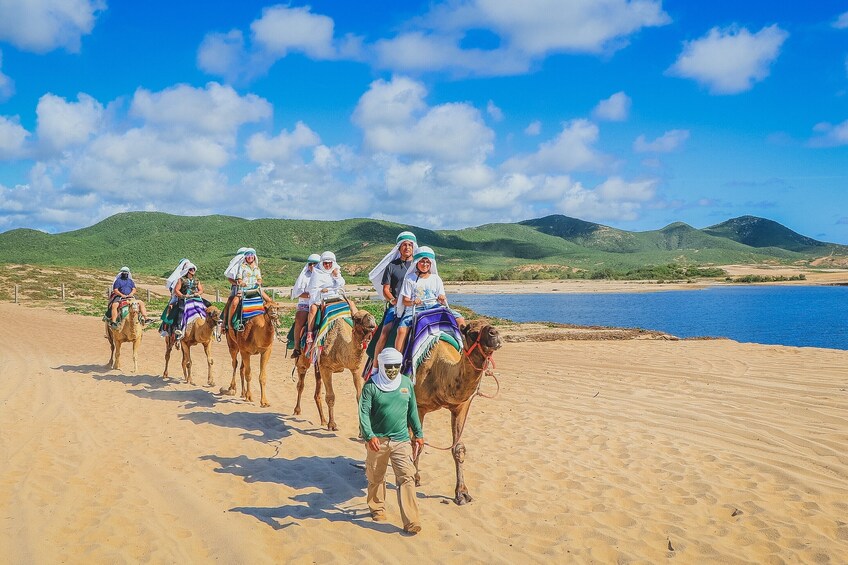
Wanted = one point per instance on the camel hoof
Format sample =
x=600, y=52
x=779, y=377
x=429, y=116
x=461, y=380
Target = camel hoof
x=462, y=499
x=332, y=427
x=210, y=383
x=264, y=404
x=297, y=411
x=228, y=391
x=417, y=481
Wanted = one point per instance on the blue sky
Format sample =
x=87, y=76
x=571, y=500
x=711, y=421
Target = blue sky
x=633, y=114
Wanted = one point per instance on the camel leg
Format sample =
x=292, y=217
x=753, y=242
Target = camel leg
x=136, y=343
x=187, y=364
x=169, y=344
x=327, y=379
x=117, y=363
x=458, y=417
x=421, y=414
x=263, y=377
x=301, y=369
x=234, y=360
x=111, y=348
x=245, y=378
x=207, y=348
x=318, y=395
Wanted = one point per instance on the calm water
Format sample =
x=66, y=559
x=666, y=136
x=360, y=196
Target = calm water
x=815, y=316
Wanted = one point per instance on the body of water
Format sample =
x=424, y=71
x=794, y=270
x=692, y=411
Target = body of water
x=811, y=316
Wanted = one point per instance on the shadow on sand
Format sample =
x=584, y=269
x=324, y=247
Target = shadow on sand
x=339, y=479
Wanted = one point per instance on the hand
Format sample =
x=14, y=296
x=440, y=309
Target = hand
x=373, y=444
x=442, y=299
x=335, y=272
x=393, y=301
x=418, y=302
x=417, y=446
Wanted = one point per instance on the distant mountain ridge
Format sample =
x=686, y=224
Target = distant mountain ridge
x=153, y=243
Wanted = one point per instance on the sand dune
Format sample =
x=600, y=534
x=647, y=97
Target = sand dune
x=594, y=451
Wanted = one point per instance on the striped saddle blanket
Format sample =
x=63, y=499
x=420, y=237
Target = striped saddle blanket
x=252, y=304
x=428, y=328
x=332, y=313
x=194, y=308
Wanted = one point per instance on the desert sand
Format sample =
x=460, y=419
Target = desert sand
x=605, y=451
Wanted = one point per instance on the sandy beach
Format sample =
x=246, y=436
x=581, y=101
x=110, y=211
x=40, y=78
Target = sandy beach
x=595, y=450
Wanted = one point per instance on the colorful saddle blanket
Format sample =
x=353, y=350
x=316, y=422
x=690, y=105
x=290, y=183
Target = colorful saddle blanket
x=252, y=304
x=326, y=319
x=428, y=328
x=194, y=308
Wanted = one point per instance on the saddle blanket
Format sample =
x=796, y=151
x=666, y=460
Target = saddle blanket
x=194, y=308
x=252, y=305
x=428, y=328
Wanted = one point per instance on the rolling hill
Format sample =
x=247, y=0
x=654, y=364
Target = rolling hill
x=153, y=242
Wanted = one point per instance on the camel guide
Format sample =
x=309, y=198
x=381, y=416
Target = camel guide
x=387, y=410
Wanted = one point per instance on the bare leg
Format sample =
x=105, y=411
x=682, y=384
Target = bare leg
x=400, y=340
x=299, y=321
x=381, y=344
x=114, y=315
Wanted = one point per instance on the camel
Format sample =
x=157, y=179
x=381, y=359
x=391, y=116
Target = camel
x=199, y=331
x=450, y=380
x=257, y=338
x=344, y=348
x=129, y=329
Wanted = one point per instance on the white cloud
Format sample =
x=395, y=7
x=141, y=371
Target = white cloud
x=571, y=150
x=730, y=60
x=395, y=119
x=830, y=135
x=842, y=21
x=666, y=143
x=533, y=128
x=43, y=25
x=13, y=136
x=7, y=85
x=214, y=110
x=280, y=30
x=62, y=124
x=262, y=149
x=495, y=112
x=614, y=199
x=616, y=108
x=528, y=32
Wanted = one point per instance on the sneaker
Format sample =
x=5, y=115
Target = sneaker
x=412, y=528
x=378, y=516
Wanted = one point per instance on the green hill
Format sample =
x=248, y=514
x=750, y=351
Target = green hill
x=760, y=232
x=152, y=243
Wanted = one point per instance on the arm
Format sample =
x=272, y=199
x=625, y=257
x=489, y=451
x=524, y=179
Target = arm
x=199, y=289
x=178, y=289
x=365, y=414
x=412, y=416
x=387, y=294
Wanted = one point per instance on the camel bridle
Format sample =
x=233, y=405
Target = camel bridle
x=488, y=362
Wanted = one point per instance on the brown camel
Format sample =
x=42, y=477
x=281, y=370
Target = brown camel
x=129, y=329
x=257, y=338
x=344, y=348
x=450, y=380
x=199, y=331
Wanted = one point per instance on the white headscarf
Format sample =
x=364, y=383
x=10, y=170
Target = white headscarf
x=123, y=270
x=388, y=356
x=179, y=273
x=376, y=274
x=232, y=271
x=412, y=272
x=323, y=278
x=301, y=285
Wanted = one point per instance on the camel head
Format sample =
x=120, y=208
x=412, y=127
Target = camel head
x=214, y=314
x=272, y=309
x=482, y=332
x=365, y=320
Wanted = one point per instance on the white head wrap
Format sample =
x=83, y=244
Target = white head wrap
x=376, y=274
x=388, y=356
x=323, y=278
x=412, y=272
x=231, y=272
x=301, y=285
x=179, y=273
x=123, y=270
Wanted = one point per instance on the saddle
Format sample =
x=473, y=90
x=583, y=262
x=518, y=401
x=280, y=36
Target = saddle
x=251, y=306
x=428, y=328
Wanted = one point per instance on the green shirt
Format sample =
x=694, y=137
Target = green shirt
x=389, y=414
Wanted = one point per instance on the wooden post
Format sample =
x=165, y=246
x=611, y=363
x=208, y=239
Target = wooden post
x=16, y=294
x=217, y=295
x=148, y=296
x=63, y=292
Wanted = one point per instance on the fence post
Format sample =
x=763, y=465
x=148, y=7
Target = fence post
x=16, y=294
x=148, y=296
x=217, y=295
x=63, y=292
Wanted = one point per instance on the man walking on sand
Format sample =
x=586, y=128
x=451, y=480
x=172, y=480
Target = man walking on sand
x=387, y=409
